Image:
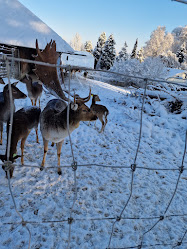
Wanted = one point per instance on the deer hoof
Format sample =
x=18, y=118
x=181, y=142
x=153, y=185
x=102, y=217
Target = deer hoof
x=60, y=173
x=41, y=168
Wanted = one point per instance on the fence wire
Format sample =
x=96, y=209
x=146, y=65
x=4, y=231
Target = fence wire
x=75, y=165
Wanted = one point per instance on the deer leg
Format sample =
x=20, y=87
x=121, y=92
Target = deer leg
x=35, y=102
x=52, y=144
x=22, y=147
x=37, y=140
x=45, y=153
x=103, y=125
x=59, y=147
x=32, y=102
x=105, y=122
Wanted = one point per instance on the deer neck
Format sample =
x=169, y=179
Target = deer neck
x=7, y=100
x=29, y=86
x=93, y=101
x=74, y=119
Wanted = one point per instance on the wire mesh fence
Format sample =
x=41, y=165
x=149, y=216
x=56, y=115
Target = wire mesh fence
x=75, y=165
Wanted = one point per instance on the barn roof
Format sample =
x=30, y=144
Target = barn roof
x=20, y=27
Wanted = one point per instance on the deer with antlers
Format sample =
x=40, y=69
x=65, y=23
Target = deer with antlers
x=54, y=123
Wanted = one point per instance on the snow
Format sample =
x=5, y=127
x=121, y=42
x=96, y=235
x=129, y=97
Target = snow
x=20, y=27
x=80, y=59
x=102, y=191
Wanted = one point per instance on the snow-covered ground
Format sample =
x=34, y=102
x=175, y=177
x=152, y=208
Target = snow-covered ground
x=102, y=192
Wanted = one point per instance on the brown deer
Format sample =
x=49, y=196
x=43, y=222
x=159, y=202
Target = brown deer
x=34, y=89
x=53, y=122
x=5, y=104
x=100, y=111
x=24, y=121
x=53, y=119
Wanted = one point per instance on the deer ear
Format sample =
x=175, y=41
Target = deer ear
x=74, y=106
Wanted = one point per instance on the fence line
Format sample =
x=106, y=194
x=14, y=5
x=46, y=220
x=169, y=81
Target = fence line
x=95, y=165
x=66, y=67
x=74, y=166
x=8, y=164
x=133, y=167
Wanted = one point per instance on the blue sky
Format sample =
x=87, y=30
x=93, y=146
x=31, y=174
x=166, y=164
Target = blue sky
x=125, y=19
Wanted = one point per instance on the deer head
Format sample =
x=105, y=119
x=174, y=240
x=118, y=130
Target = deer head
x=83, y=112
x=51, y=77
x=2, y=81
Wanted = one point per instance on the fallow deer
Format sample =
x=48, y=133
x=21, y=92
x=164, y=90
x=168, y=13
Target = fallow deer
x=53, y=119
x=24, y=120
x=34, y=89
x=5, y=104
x=53, y=122
x=100, y=111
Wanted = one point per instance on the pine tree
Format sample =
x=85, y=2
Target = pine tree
x=123, y=55
x=98, y=49
x=180, y=55
x=134, y=51
x=140, y=56
x=88, y=46
x=108, y=54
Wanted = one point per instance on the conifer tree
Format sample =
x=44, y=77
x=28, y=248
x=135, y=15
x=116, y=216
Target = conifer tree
x=134, y=51
x=98, y=49
x=123, y=55
x=109, y=54
x=140, y=56
x=88, y=46
x=180, y=55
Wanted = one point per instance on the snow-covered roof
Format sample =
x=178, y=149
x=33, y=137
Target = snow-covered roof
x=20, y=27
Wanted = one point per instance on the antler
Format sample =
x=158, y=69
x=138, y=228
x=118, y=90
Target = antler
x=49, y=76
x=82, y=100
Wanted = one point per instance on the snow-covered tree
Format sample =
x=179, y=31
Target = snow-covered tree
x=170, y=59
x=183, y=35
x=156, y=40
x=160, y=42
x=76, y=42
x=151, y=67
x=180, y=55
x=88, y=46
x=99, y=47
x=123, y=55
x=140, y=55
x=134, y=51
x=166, y=44
x=108, y=54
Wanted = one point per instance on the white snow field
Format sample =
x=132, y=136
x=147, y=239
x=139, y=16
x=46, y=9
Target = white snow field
x=44, y=198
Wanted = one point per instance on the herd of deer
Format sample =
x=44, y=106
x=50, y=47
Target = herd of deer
x=53, y=119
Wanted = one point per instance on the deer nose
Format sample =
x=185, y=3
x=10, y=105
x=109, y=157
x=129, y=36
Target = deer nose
x=95, y=117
